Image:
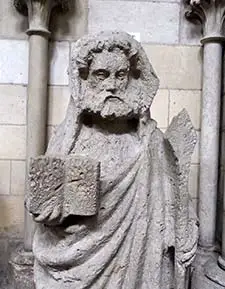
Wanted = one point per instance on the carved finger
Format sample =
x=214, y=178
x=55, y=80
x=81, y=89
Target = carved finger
x=55, y=214
x=190, y=255
x=190, y=246
x=44, y=215
x=189, y=262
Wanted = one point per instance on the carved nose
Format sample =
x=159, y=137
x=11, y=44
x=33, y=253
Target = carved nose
x=111, y=86
x=111, y=89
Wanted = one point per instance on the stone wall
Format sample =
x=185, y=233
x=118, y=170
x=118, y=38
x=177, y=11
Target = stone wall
x=168, y=39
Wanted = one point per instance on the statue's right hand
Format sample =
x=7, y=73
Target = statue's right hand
x=49, y=210
x=50, y=215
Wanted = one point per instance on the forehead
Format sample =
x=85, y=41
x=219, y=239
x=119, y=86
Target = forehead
x=113, y=60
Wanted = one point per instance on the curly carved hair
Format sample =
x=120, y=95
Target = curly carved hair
x=86, y=55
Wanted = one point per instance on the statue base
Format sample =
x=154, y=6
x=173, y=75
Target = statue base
x=21, y=269
x=207, y=273
x=215, y=273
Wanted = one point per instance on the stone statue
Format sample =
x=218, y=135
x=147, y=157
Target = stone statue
x=111, y=193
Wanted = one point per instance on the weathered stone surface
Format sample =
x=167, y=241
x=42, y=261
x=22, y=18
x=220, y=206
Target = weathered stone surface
x=188, y=99
x=195, y=156
x=68, y=184
x=81, y=195
x=144, y=235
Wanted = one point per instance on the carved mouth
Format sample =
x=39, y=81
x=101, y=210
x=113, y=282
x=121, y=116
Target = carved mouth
x=112, y=97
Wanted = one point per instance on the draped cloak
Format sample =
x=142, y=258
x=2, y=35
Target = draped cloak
x=130, y=243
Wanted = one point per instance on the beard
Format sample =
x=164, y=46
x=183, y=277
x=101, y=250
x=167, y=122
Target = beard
x=123, y=105
x=114, y=108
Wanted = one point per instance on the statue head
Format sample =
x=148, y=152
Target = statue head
x=111, y=76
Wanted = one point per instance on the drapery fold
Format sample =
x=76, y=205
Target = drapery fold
x=127, y=245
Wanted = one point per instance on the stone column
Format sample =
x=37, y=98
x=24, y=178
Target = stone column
x=210, y=14
x=38, y=12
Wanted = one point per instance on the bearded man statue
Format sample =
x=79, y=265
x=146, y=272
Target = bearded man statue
x=138, y=231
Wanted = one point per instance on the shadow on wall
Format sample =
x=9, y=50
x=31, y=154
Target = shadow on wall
x=59, y=24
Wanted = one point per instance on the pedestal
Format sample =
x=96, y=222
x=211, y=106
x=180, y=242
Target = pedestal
x=207, y=273
x=21, y=269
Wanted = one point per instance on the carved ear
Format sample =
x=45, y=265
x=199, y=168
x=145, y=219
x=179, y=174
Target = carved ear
x=83, y=72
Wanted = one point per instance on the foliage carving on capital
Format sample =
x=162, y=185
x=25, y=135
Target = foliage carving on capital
x=22, y=5
x=39, y=11
x=209, y=14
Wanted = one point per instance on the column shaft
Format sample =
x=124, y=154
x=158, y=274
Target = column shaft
x=36, y=111
x=209, y=145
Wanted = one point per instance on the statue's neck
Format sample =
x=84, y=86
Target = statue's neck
x=111, y=126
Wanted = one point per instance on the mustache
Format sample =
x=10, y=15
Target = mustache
x=112, y=97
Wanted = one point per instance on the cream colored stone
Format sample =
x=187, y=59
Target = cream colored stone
x=17, y=177
x=73, y=24
x=13, y=61
x=11, y=212
x=59, y=63
x=159, y=108
x=194, y=203
x=189, y=99
x=193, y=181
x=13, y=104
x=58, y=102
x=12, y=23
x=4, y=177
x=156, y=22
x=178, y=67
x=12, y=145
x=50, y=131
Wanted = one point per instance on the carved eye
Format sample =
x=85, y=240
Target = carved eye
x=121, y=74
x=101, y=74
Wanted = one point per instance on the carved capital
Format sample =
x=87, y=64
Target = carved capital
x=210, y=14
x=39, y=12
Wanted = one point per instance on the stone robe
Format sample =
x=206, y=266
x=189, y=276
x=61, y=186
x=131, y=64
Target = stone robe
x=131, y=242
